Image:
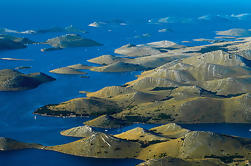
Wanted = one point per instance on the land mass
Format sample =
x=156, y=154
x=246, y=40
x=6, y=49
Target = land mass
x=8, y=42
x=69, y=41
x=13, y=80
x=200, y=84
x=166, y=144
x=7, y=144
x=72, y=69
x=169, y=144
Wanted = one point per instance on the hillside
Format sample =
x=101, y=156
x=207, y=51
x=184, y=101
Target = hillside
x=13, y=80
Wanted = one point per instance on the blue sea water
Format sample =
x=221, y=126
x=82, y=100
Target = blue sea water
x=187, y=20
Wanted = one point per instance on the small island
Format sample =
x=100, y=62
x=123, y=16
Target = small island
x=69, y=41
x=13, y=80
x=8, y=42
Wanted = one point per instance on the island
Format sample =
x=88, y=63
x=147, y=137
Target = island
x=8, y=42
x=68, y=41
x=7, y=144
x=166, y=144
x=13, y=80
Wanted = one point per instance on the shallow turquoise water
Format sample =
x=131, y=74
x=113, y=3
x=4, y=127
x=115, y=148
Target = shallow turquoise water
x=16, y=118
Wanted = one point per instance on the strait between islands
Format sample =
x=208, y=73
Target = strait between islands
x=199, y=84
x=168, y=144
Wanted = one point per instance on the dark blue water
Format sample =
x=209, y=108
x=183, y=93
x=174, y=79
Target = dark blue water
x=184, y=23
x=50, y=158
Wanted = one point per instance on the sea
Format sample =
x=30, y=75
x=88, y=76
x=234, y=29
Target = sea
x=126, y=21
